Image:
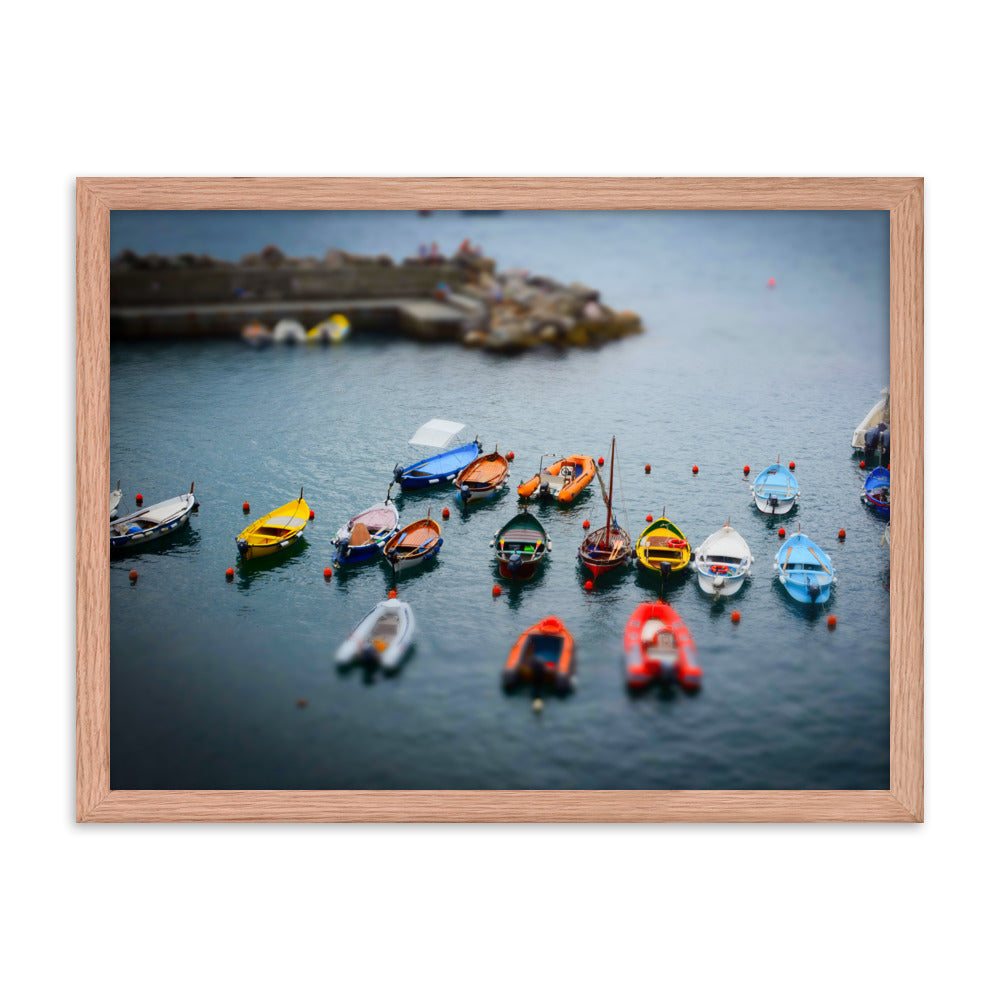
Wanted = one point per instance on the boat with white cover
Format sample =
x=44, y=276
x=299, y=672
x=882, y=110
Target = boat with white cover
x=878, y=414
x=443, y=466
x=382, y=638
x=723, y=562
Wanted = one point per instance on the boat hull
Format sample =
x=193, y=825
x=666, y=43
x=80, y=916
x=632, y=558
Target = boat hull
x=413, y=546
x=775, y=490
x=723, y=562
x=437, y=469
x=382, y=638
x=659, y=649
x=804, y=570
x=151, y=523
x=483, y=478
x=543, y=654
x=554, y=484
x=381, y=522
x=720, y=586
x=662, y=547
x=275, y=532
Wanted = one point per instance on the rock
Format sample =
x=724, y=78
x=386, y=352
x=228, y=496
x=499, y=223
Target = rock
x=584, y=292
x=334, y=259
x=272, y=256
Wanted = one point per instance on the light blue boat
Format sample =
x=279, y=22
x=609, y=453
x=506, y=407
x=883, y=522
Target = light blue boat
x=804, y=570
x=775, y=490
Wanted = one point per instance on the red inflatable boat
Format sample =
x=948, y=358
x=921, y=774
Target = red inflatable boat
x=658, y=647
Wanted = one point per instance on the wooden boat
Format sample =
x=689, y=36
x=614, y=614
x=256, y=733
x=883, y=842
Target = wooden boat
x=658, y=647
x=152, y=522
x=382, y=638
x=413, y=545
x=289, y=331
x=876, y=492
x=610, y=547
x=363, y=536
x=804, y=570
x=116, y=499
x=256, y=335
x=544, y=654
x=274, y=532
x=775, y=490
x=878, y=414
x=441, y=467
x=484, y=477
x=563, y=480
x=520, y=546
x=663, y=548
x=723, y=562
x=330, y=331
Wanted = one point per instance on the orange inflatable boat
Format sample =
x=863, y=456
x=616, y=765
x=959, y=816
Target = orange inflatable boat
x=658, y=647
x=543, y=654
x=563, y=480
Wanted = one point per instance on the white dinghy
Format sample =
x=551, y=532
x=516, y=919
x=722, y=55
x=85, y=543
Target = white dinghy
x=289, y=331
x=878, y=414
x=382, y=637
x=723, y=562
x=116, y=499
x=152, y=522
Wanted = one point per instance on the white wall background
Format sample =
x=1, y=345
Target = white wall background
x=517, y=89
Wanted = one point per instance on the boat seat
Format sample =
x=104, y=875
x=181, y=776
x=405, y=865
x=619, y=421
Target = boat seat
x=359, y=536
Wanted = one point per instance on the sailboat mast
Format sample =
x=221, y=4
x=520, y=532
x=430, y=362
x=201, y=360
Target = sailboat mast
x=611, y=491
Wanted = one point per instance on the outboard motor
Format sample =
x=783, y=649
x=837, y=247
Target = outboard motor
x=368, y=655
x=537, y=667
x=544, y=491
x=668, y=672
x=465, y=493
x=813, y=589
x=242, y=546
x=515, y=561
x=773, y=501
x=342, y=545
x=397, y=474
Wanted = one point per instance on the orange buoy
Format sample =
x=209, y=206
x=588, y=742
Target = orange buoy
x=781, y=532
x=312, y=514
x=586, y=525
x=861, y=464
x=746, y=470
x=831, y=622
x=791, y=465
x=246, y=507
x=496, y=589
x=771, y=282
x=138, y=499
x=694, y=469
x=735, y=617
x=649, y=517
x=230, y=573
x=647, y=468
x=327, y=572
x=392, y=594
x=301, y=703
x=589, y=585
x=133, y=575
x=600, y=461
x=510, y=456
x=446, y=513
x=841, y=534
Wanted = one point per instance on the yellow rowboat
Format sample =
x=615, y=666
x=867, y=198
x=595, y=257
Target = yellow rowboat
x=330, y=331
x=275, y=531
x=663, y=548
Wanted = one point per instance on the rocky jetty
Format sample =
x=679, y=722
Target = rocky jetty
x=193, y=295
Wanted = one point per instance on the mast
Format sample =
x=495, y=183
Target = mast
x=611, y=490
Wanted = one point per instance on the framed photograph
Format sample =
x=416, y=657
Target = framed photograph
x=500, y=500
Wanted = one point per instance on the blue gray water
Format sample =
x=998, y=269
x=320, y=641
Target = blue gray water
x=207, y=675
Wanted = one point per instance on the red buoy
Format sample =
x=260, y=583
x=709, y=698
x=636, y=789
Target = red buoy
x=831, y=622
x=649, y=517
x=600, y=461
x=841, y=534
x=230, y=573
x=586, y=525
x=510, y=456
x=312, y=514
x=781, y=532
x=589, y=585
x=791, y=465
x=694, y=469
x=246, y=507
x=138, y=499
x=133, y=575
x=327, y=572
x=647, y=468
x=446, y=513
x=301, y=703
x=392, y=594
x=735, y=617
x=496, y=590
x=746, y=470
x=771, y=282
x=861, y=464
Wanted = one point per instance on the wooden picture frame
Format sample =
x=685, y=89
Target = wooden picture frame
x=901, y=197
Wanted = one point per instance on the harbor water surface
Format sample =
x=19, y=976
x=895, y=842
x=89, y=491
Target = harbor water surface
x=232, y=685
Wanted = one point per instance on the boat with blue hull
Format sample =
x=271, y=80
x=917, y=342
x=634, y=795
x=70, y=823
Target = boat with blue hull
x=363, y=536
x=876, y=492
x=443, y=466
x=776, y=489
x=152, y=522
x=804, y=570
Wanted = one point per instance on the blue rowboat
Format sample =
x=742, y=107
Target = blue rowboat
x=804, y=570
x=443, y=466
x=364, y=534
x=152, y=522
x=775, y=490
x=876, y=494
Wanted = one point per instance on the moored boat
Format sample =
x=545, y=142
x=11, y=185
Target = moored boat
x=520, y=546
x=413, y=545
x=484, y=477
x=543, y=654
x=804, y=570
x=441, y=467
x=776, y=489
x=876, y=491
x=723, y=562
x=563, y=480
x=382, y=638
x=878, y=414
x=256, y=335
x=659, y=647
x=275, y=531
x=363, y=536
x=663, y=548
x=330, y=331
x=289, y=331
x=152, y=522
x=610, y=547
x=116, y=499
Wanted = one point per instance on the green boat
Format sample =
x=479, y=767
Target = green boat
x=520, y=546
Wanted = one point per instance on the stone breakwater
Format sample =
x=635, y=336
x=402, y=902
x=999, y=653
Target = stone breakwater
x=461, y=298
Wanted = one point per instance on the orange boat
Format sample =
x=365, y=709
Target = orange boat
x=482, y=478
x=564, y=479
x=543, y=654
x=658, y=647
